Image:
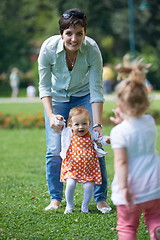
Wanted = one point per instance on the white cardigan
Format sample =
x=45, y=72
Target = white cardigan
x=66, y=136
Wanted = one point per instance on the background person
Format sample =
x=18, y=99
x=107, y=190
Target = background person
x=108, y=79
x=31, y=91
x=70, y=72
x=14, y=80
x=136, y=184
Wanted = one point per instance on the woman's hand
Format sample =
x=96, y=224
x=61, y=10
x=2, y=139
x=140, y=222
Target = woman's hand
x=118, y=116
x=57, y=122
x=99, y=130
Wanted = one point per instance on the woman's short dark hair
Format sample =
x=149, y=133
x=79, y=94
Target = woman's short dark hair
x=72, y=17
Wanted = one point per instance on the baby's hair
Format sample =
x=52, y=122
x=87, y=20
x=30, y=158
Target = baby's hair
x=78, y=111
x=131, y=91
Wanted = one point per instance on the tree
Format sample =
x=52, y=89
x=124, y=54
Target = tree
x=24, y=24
x=14, y=39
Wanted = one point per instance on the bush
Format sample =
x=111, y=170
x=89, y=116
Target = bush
x=107, y=121
x=21, y=121
x=9, y=121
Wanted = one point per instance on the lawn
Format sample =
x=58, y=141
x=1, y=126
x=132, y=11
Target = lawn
x=34, y=108
x=24, y=192
x=24, y=108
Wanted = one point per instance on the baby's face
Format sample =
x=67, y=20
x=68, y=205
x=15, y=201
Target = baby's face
x=80, y=124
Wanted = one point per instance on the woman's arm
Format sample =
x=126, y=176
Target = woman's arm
x=97, y=109
x=47, y=103
x=45, y=85
x=95, y=70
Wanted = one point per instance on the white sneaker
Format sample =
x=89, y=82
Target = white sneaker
x=51, y=206
x=105, y=209
x=68, y=211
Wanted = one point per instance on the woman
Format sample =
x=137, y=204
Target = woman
x=70, y=71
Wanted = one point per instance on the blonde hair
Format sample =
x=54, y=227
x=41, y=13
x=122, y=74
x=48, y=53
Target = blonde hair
x=131, y=91
x=78, y=111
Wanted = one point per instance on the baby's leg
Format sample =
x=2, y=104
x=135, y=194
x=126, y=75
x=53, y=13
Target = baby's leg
x=88, y=193
x=69, y=194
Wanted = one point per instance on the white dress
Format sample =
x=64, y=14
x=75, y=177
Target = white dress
x=138, y=136
x=81, y=162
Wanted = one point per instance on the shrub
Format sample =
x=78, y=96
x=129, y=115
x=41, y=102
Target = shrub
x=107, y=115
x=9, y=121
x=21, y=121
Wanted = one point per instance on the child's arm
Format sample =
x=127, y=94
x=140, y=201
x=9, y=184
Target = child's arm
x=121, y=170
x=97, y=141
x=104, y=140
x=100, y=141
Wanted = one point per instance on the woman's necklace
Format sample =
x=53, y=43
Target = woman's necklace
x=72, y=62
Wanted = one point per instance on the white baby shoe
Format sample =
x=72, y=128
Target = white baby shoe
x=68, y=211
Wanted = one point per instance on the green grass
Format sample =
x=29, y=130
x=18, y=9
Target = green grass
x=33, y=108
x=27, y=108
x=24, y=195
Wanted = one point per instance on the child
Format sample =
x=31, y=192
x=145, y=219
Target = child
x=136, y=184
x=80, y=162
x=31, y=90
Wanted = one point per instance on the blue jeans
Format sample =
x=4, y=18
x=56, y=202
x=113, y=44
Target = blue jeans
x=53, y=159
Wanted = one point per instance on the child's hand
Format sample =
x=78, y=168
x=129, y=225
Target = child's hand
x=118, y=116
x=129, y=197
x=98, y=143
x=102, y=141
x=108, y=140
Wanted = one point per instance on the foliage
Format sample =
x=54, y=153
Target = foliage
x=22, y=25
x=151, y=55
x=25, y=24
x=8, y=121
x=107, y=115
x=15, y=36
x=5, y=89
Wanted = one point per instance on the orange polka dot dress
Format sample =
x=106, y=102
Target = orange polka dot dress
x=81, y=162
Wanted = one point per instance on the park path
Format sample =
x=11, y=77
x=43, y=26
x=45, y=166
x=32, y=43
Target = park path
x=109, y=97
x=37, y=99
